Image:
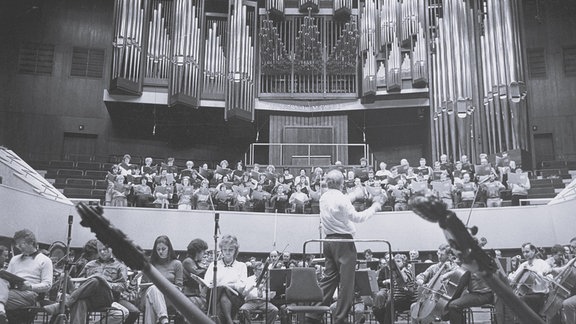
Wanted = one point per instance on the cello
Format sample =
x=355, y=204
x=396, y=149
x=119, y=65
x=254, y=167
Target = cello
x=470, y=253
x=435, y=296
x=562, y=287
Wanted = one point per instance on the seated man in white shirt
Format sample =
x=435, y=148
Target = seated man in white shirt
x=34, y=267
x=256, y=299
x=534, y=294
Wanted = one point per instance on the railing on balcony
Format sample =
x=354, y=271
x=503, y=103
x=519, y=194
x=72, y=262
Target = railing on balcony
x=306, y=154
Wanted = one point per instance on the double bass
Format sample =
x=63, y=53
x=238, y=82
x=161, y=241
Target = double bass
x=562, y=287
x=436, y=295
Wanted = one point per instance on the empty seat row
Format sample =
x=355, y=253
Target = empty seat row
x=84, y=193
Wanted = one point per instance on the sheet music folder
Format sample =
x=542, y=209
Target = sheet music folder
x=11, y=278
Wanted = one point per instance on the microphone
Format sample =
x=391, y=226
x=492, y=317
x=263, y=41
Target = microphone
x=70, y=222
x=216, y=225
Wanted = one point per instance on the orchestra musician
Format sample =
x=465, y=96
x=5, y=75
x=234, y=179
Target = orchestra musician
x=404, y=289
x=256, y=298
x=478, y=294
x=444, y=264
x=531, y=286
x=230, y=281
x=34, y=267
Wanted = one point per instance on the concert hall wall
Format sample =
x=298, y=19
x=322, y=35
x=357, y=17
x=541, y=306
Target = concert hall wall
x=549, y=29
x=36, y=110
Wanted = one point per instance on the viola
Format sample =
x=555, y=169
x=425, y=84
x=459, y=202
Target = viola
x=436, y=295
x=470, y=253
x=562, y=287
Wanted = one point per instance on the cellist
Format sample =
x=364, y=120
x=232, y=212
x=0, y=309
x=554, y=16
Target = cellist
x=444, y=264
x=535, y=295
x=478, y=294
x=568, y=308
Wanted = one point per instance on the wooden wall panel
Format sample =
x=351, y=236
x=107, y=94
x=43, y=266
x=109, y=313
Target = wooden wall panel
x=551, y=100
x=280, y=125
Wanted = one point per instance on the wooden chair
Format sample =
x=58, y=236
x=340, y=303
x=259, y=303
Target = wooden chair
x=303, y=294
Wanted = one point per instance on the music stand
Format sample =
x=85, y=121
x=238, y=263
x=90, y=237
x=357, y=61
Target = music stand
x=279, y=280
x=366, y=282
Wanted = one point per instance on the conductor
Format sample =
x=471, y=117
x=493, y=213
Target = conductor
x=338, y=216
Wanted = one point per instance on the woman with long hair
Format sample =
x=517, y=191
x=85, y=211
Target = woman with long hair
x=152, y=301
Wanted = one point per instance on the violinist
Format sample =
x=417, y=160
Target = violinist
x=444, y=264
x=255, y=297
x=478, y=294
x=404, y=289
x=528, y=279
x=193, y=265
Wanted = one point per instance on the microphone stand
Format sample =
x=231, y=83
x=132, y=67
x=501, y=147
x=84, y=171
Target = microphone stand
x=214, y=296
x=61, y=318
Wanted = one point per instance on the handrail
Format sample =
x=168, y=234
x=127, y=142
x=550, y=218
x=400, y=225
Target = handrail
x=250, y=156
x=359, y=240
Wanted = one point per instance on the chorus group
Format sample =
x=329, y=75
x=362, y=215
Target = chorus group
x=265, y=189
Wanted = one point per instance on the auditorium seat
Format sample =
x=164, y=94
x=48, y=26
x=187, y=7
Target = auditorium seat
x=96, y=175
x=100, y=184
x=62, y=164
x=106, y=166
x=79, y=183
x=88, y=165
x=98, y=193
x=70, y=173
x=78, y=192
x=59, y=182
x=79, y=157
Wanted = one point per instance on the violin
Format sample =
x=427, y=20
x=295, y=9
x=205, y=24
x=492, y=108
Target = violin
x=470, y=253
x=562, y=287
x=134, y=257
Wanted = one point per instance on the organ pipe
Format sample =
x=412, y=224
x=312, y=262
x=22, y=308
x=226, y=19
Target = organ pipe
x=128, y=46
x=241, y=68
x=482, y=85
x=185, y=68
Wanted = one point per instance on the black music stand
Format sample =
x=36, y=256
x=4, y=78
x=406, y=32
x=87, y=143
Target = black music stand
x=366, y=282
x=279, y=280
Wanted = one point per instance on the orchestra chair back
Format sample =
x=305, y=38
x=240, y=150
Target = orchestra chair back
x=303, y=294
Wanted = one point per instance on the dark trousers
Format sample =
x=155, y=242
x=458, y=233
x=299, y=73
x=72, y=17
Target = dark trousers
x=133, y=311
x=339, y=273
x=384, y=316
x=456, y=306
x=91, y=295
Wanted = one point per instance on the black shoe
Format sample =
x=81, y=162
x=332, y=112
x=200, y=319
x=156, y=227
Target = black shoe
x=3, y=319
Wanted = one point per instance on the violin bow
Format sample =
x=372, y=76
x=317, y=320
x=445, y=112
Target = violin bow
x=134, y=257
x=470, y=253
